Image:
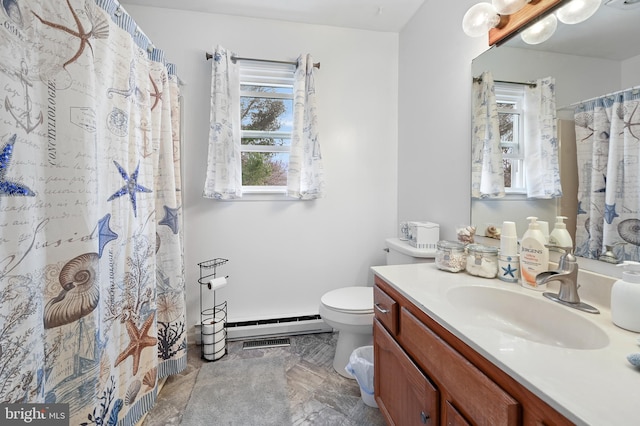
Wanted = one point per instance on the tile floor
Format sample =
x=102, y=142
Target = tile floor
x=317, y=394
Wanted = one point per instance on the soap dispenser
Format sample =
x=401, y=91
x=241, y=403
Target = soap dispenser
x=625, y=298
x=560, y=236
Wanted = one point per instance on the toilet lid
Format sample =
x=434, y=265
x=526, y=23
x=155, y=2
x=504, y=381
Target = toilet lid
x=349, y=299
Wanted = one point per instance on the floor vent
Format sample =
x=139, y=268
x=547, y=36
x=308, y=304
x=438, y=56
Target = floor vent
x=266, y=343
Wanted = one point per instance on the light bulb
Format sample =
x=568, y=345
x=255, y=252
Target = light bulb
x=479, y=19
x=508, y=7
x=540, y=31
x=577, y=11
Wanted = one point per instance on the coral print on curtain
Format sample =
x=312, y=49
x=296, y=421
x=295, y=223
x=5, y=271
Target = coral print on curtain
x=608, y=147
x=91, y=270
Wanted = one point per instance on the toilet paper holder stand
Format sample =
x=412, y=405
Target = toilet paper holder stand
x=213, y=317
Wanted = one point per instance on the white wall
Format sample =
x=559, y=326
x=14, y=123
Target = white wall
x=284, y=255
x=434, y=116
x=631, y=72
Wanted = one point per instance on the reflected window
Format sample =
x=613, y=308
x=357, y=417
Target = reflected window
x=510, y=100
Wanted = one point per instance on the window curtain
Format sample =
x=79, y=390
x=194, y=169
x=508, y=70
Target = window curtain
x=92, y=303
x=487, y=176
x=608, y=149
x=305, y=178
x=541, y=164
x=224, y=170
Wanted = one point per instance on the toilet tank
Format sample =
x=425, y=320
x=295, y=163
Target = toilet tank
x=400, y=252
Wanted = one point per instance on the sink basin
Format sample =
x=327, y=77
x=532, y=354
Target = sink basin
x=527, y=317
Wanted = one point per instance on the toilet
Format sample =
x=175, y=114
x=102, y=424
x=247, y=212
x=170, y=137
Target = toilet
x=349, y=310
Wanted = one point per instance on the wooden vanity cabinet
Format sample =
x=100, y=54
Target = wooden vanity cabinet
x=426, y=375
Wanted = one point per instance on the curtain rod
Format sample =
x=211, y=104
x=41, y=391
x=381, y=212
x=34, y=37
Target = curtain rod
x=238, y=58
x=479, y=80
x=575, y=104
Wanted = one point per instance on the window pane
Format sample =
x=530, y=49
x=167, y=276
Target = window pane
x=506, y=123
x=264, y=168
x=266, y=114
x=266, y=141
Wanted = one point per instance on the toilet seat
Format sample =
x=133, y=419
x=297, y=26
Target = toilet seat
x=349, y=300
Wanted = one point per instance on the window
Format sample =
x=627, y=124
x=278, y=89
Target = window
x=510, y=100
x=266, y=113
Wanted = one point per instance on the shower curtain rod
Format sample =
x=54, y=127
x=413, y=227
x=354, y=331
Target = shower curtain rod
x=479, y=80
x=598, y=97
x=238, y=58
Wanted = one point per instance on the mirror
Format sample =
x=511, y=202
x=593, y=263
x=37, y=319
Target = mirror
x=587, y=60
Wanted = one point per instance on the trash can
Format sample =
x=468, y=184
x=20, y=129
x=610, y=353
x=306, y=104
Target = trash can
x=360, y=366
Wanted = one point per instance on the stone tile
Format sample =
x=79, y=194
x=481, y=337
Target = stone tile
x=317, y=394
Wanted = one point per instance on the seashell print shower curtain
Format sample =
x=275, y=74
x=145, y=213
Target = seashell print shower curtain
x=608, y=154
x=92, y=304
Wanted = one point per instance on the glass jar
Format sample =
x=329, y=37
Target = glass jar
x=482, y=261
x=450, y=256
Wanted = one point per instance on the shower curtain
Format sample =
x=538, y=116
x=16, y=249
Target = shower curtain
x=91, y=270
x=608, y=150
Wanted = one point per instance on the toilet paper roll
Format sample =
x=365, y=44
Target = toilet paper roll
x=216, y=283
x=213, y=338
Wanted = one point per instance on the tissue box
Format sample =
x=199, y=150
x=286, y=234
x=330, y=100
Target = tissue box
x=424, y=235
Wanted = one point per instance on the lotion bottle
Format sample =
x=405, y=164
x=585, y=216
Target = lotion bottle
x=560, y=236
x=625, y=298
x=534, y=256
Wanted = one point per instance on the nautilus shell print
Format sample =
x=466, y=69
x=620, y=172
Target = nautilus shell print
x=79, y=295
x=629, y=231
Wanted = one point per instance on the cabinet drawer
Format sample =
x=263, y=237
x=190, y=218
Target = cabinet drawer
x=478, y=398
x=386, y=310
x=405, y=396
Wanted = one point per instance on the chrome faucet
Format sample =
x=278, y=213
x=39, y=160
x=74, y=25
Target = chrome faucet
x=567, y=276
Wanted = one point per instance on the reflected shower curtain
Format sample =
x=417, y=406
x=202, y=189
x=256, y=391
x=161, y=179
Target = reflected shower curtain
x=91, y=270
x=608, y=148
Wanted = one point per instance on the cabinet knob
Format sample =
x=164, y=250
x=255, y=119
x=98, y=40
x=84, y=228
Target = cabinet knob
x=424, y=418
x=381, y=309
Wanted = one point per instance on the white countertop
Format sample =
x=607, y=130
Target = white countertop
x=588, y=386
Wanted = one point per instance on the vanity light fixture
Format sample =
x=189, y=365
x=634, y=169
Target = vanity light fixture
x=502, y=19
x=577, y=11
x=541, y=30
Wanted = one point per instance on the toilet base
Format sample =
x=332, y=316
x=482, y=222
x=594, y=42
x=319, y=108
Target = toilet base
x=347, y=343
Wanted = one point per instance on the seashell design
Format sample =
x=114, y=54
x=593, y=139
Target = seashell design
x=492, y=232
x=100, y=23
x=12, y=9
x=79, y=295
x=629, y=230
x=132, y=392
x=149, y=378
x=170, y=306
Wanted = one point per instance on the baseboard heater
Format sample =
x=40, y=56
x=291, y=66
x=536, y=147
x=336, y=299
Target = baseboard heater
x=274, y=327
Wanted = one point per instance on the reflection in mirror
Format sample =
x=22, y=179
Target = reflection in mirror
x=587, y=60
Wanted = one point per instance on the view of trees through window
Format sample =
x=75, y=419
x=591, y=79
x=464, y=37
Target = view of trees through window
x=266, y=117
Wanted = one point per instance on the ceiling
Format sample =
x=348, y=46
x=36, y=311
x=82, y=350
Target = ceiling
x=611, y=33
x=377, y=15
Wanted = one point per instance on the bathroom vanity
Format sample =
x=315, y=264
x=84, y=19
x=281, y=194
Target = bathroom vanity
x=454, y=349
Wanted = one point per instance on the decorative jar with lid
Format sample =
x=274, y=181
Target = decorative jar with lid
x=450, y=256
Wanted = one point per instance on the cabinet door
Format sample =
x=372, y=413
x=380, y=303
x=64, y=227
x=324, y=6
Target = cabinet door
x=475, y=395
x=404, y=395
x=452, y=417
